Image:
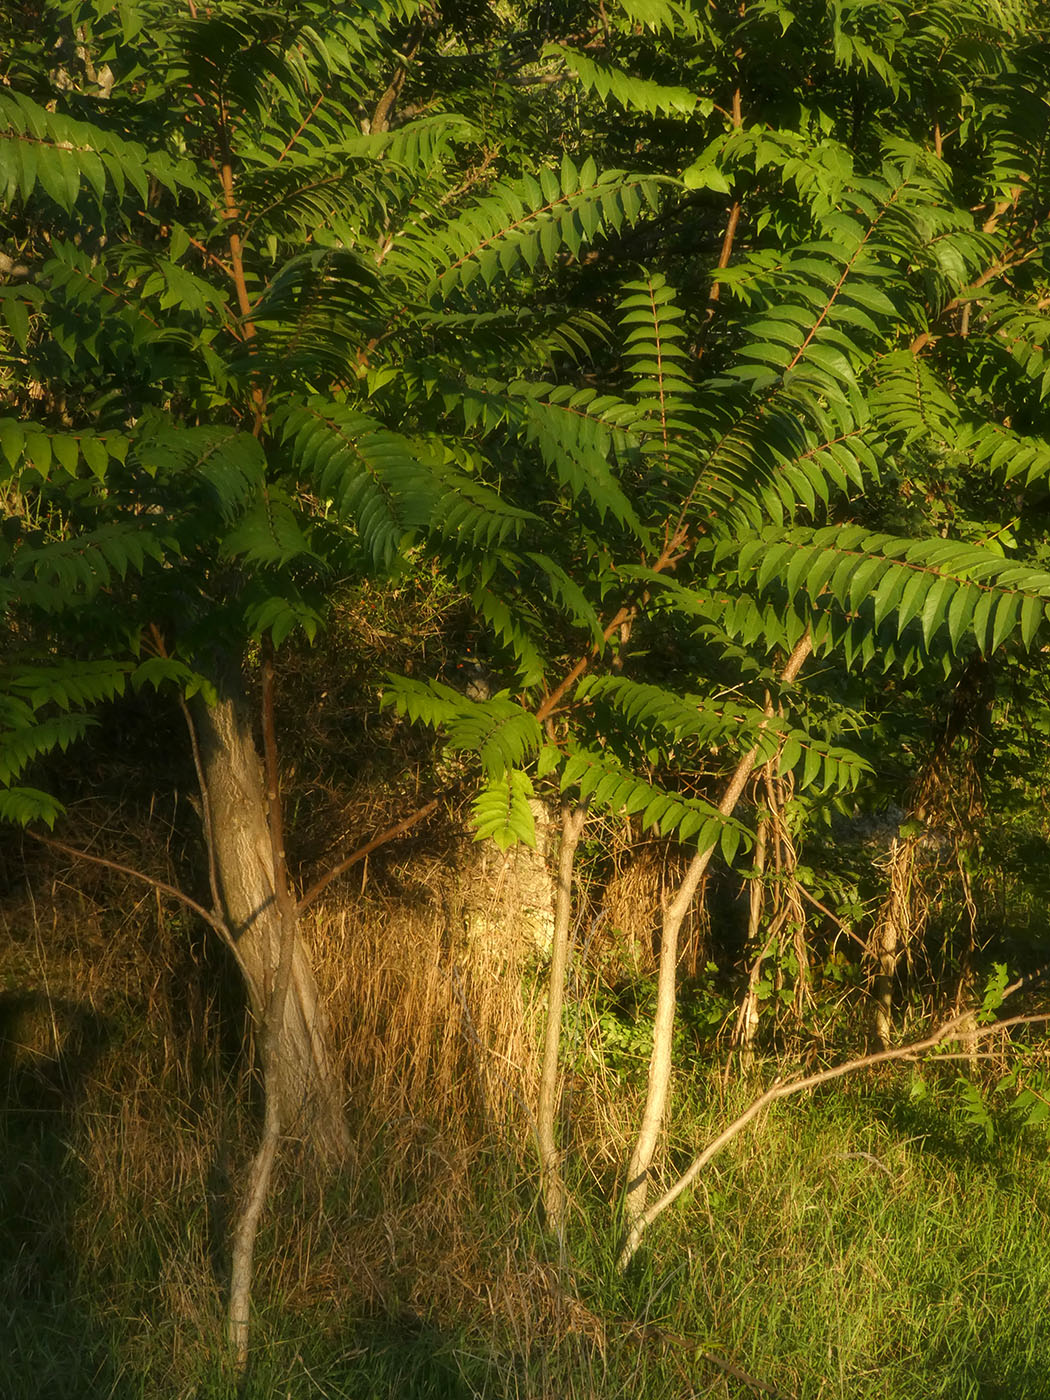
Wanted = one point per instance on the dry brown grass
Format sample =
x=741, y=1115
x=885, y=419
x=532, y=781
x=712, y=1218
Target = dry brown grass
x=436, y=1031
x=147, y=1129
x=427, y=1029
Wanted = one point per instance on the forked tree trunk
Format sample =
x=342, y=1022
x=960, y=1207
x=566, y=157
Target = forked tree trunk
x=660, y=1062
x=296, y=1059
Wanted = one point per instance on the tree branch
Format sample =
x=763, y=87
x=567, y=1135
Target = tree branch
x=734, y=219
x=844, y=928
x=786, y=1089
x=231, y=215
x=206, y=822
x=390, y=834
x=301, y=128
x=381, y=116
x=675, y=540
x=212, y=919
x=660, y=1063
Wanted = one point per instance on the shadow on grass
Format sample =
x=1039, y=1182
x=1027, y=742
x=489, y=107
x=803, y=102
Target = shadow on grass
x=1016, y=1372
x=382, y=1359
x=52, y=1347
x=411, y=1359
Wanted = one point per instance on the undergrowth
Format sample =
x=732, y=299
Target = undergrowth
x=875, y=1241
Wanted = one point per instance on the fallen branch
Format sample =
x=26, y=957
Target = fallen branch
x=657, y=1334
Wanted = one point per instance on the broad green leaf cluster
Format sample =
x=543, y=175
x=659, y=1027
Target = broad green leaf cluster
x=668, y=346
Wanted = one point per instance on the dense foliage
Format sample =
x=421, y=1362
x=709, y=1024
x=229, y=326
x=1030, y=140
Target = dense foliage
x=699, y=351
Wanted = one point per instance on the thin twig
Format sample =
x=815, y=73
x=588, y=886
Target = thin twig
x=302, y=127
x=731, y=224
x=231, y=217
x=675, y=542
x=995, y=269
x=844, y=928
x=653, y=1333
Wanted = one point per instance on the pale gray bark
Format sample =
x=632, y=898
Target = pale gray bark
x=783, y=1089
x=552, y=1185
x=660, y=1062
x=297, y=1056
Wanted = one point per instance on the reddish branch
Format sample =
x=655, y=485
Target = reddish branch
x=724, y=255
x=301, y=128
x=674, y=544
x=734, y=218
x=839, y=284
x=231, y=215
x=391, y=834
x=996, y=269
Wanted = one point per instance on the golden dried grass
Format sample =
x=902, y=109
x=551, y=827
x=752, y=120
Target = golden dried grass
x=425, y=1028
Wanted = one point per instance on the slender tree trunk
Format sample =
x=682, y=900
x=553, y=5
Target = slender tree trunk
x=552, y=1186
x=780, y=1089
x=891, y=933
x=746, y=1028
x=295, y=1056
x=659, y=1083
x=280, y=1111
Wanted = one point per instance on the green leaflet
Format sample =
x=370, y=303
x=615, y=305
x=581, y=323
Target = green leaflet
x=498, y=730
x=937, y=582
x=22, y=805
x=502, y=812
x=62, y=156
x=630, y=92
x=598, y=779
x=520, y=222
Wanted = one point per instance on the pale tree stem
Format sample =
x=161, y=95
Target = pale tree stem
x=242, y=1263
x=891, y=933
x=243, y=1249
x=659, y=1083
x=787, y=1088
x=573, y=820
x=746, y=1028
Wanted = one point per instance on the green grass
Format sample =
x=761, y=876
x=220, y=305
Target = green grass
x=855, y=1246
